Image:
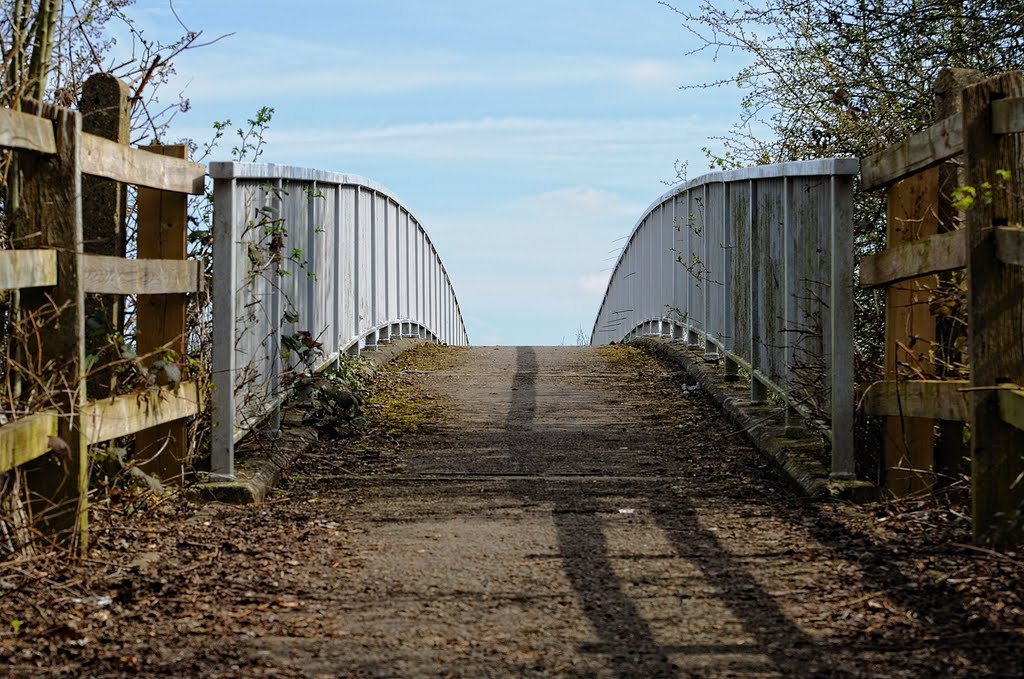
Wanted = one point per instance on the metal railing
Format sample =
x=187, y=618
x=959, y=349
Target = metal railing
x=756, y=266
x=308, y=266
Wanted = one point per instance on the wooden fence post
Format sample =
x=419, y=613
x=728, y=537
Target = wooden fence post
x=950, y=451
x=996, y=306
x=50, y=216
x=162, y=231
x=909, y=332
x=105, y=113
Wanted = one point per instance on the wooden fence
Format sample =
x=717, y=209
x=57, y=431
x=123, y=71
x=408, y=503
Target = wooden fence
x=53, y=270
x=923, y=243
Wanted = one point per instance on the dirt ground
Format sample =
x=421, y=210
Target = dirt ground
x=547, y=511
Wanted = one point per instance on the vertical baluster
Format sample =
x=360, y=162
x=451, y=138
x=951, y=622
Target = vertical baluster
x=758, y=393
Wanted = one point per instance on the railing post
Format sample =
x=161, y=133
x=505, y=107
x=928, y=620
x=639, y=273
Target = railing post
x=406, y=312
x=374, y=272
x=729, y=235
x=277, y=363
x=710, y=350
x=385, y=332
x=312, y=257
x=357, y=264
x=673, y=260
x=794, y=423
x=420, y=278
x=339, y=284
x=841, y=312
x=225, y=278
x=758, y=391
x=692, y=337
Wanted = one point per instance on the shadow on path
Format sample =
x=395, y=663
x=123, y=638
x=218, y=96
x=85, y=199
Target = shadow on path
x=626, y=637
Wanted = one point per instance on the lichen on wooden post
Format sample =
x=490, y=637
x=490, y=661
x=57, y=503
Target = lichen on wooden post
x=50, y=216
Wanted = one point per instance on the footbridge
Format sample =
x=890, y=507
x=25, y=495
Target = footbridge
x=755, y=266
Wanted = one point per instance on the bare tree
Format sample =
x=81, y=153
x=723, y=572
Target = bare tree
x=845, y=77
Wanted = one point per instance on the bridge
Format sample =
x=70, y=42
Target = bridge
x=755, y=265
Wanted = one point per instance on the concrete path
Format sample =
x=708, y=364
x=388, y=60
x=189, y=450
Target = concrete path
x=576, y=514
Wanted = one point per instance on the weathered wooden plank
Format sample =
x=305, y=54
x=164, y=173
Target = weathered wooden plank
x=996, y=307
x=162, y=234
x=104, y=158
x=927, y=148
x=26, y=132
x=1011, y=407
x=105, y=113
x=1008, y=115
x=124, y=415
x=1010, y=244
x=27, y=268
x=25, y=439
x=117, y=276
x=928, y=255
x=909, y=442
x=930, y=399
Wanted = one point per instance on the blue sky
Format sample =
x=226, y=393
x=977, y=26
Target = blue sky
x=526, y=135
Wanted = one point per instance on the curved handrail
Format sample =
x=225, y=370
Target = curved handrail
x=756, y=266
x=310, y=265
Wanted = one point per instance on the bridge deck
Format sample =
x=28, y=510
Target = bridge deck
x=595, y=534
x=576, y=512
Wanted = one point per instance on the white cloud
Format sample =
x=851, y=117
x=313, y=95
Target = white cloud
x=594, y=284
x=270, y=66
x=654, y=74
x=581, y=201
x=591, y=143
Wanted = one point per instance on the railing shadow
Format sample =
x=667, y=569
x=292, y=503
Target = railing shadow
x=780, y=645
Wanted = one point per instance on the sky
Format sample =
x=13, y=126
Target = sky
x=527, y=136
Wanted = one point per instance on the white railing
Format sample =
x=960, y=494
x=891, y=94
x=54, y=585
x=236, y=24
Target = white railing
x=756, y=266
x=308, y=266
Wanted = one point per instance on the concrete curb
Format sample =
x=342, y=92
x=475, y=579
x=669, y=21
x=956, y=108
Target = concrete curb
x=799, y=458
x=262, y=457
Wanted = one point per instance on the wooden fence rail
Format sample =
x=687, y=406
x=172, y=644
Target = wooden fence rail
x=987, y=136
x=53, y=272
